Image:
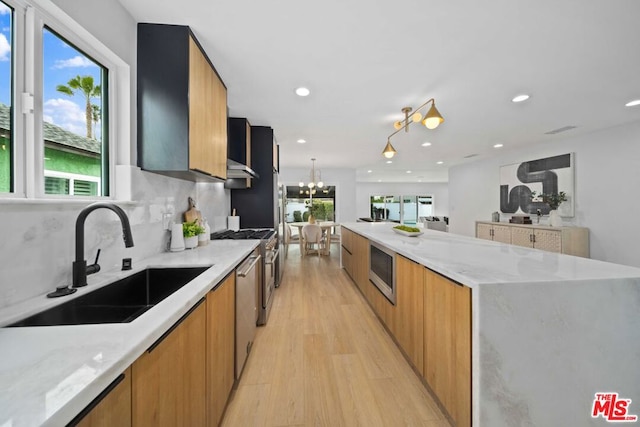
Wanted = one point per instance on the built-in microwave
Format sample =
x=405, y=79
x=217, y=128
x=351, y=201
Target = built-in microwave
x=382, y=272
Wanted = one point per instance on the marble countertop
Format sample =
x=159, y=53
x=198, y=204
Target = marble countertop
x=474, y=262
x=49, y=374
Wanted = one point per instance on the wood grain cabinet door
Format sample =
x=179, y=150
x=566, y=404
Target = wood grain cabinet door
x=502, y=233
x=114, y=408
x=220, y=348
x=407, y=323
x=168, y=380
x=483, y=231
x=447, y=345
x=548, y=240
x=522, y=236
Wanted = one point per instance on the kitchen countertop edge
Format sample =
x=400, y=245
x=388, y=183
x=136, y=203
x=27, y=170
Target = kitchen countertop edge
x=70, y=371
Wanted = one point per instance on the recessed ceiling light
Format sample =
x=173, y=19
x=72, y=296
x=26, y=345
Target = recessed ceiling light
x=520, y=98
x=440, y=162
x=369, y=171
x=408, y=171
x=302, y=91
x=632, y=103
x=301, y=141
x=498, y=145
x=426, y=144
x=379, y=180
x=389, y=161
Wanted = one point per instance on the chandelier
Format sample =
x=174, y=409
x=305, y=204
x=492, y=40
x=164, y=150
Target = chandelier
x=315, y=179
x=431, y=120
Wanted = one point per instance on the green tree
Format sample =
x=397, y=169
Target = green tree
x=96, y=114
x=85, y=86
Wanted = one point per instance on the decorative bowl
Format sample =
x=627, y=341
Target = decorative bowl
x=407, y=233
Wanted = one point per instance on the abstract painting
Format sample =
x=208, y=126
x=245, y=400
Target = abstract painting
x=549, y=175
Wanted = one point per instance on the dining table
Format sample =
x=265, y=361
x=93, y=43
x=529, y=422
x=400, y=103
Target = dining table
x=327, y=228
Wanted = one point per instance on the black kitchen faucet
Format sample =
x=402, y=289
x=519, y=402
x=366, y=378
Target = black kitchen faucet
x=80, y=268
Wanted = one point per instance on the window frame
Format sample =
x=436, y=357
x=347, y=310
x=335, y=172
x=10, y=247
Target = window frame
x=30, y=19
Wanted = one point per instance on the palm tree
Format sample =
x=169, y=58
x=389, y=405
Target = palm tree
x=84, y=85
x=96, y=114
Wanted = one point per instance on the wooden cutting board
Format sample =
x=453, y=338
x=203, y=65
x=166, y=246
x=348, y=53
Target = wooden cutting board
x=192, y=213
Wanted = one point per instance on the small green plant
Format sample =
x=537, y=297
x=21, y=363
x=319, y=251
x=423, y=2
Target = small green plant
x=297, y=216
x=190, y=229
x=552, y=199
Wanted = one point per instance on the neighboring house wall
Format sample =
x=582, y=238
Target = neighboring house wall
x=64, y=161
x=5, y=164
x=606, y=188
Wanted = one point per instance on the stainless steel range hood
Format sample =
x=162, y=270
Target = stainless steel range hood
x=238, y=170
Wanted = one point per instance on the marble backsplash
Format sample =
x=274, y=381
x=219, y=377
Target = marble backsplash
x=38, y=239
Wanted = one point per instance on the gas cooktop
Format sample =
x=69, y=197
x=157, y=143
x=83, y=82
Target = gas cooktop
x=243, y=234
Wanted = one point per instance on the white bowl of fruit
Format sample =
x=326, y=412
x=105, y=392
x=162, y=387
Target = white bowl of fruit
x=405, y=230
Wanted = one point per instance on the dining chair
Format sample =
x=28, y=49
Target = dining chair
x=312, y=239
x=289, y=232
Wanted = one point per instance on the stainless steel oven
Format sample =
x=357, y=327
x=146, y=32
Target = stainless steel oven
x=382, y=271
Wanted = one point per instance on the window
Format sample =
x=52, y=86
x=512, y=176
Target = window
x=6, y=96
x=404, y=209
x=73, y=102
x=67, y=138
x=301, y=203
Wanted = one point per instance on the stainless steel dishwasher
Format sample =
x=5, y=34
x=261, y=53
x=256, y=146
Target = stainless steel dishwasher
x=248, y=278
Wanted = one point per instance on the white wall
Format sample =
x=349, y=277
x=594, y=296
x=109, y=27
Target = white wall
x=37, y=244
x=607, y=184
x=439, y=191
x=343, y=179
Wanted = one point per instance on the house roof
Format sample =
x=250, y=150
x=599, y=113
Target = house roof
x=56, y=134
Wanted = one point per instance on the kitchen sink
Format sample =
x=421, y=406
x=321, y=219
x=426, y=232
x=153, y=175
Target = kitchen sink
x=119, y=302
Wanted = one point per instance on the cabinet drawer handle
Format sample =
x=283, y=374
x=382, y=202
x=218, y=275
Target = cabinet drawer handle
x=95, y=402
x=175, y=325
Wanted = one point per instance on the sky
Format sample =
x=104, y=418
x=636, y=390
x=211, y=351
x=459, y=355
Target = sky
x=61, y=62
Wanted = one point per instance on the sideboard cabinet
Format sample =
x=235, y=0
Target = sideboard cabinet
x=565, y=240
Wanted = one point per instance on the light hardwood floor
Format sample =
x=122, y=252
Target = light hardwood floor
x=324, y=359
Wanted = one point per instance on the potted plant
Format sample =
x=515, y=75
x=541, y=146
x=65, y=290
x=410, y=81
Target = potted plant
x=553, y=200
x=190, y=230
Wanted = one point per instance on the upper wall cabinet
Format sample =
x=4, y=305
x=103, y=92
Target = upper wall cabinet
x=182, y=106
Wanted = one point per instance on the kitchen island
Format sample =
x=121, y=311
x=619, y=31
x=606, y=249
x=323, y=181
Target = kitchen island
x=548, y=331
x=49, y=374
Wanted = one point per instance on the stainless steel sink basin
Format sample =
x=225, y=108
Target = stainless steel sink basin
x=119, y=302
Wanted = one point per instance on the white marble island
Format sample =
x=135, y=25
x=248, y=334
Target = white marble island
x=50, y=374
x=549, y=331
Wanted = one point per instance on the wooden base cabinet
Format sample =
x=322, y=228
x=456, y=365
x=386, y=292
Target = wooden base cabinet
x=406, y=319
x=168, y=381
x=490, y=231
x=564, y=240
x=220, y=348
x=112, y=408
x=447, y=345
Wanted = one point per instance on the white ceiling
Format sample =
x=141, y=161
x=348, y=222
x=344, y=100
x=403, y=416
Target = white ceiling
x=364, y=60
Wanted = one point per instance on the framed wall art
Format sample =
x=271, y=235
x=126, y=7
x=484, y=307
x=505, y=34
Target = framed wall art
x=549, y=175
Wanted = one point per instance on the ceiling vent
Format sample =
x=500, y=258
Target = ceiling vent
x=470, y=156
x=562, y=129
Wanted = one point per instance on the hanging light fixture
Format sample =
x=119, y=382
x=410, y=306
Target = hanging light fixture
x=431, y=120
x=315, y=178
